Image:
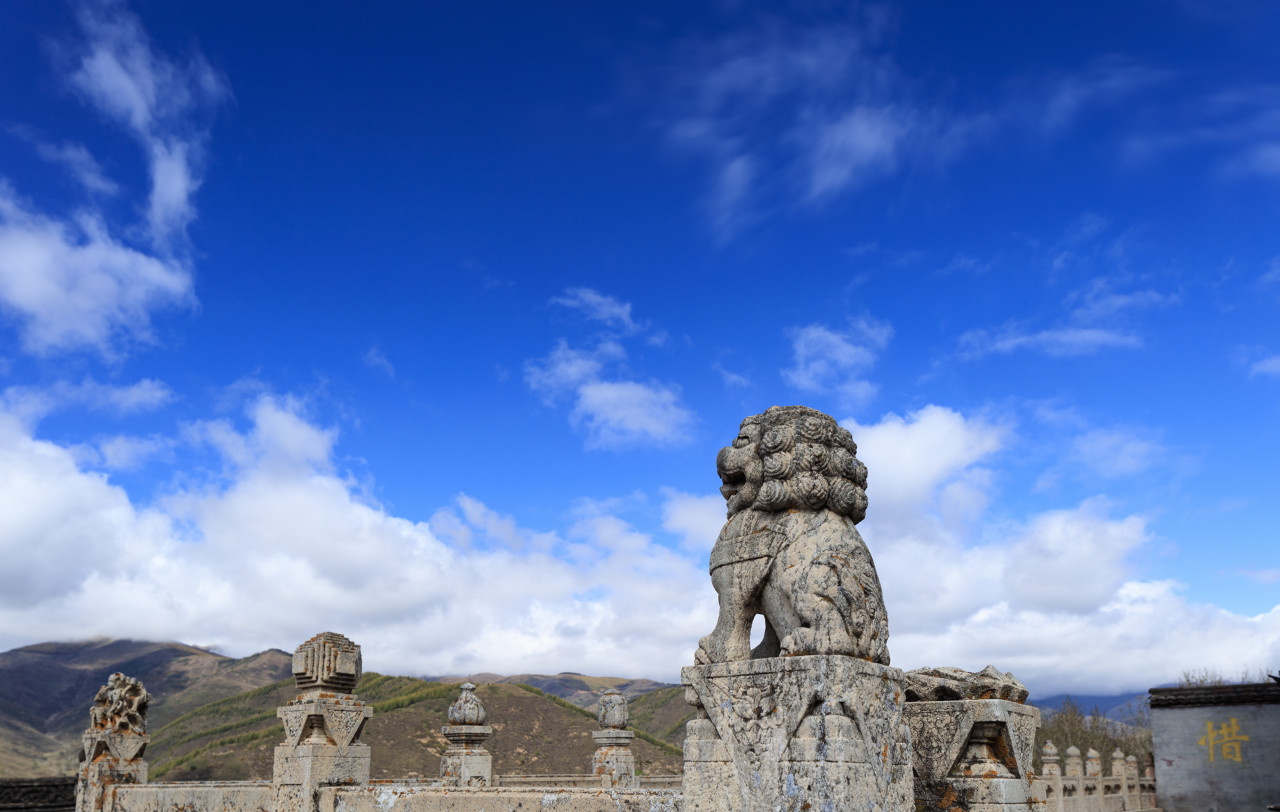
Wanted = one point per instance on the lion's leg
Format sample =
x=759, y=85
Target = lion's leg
x=738, y=588
x=821, y=616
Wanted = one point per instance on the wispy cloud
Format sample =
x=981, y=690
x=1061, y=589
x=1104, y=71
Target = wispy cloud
x=599, y=307
x=615, y=413
x=1270, y=576
x=1060, y=342
x=157, y=100
x=1237, y=131
x=731, y=379
x=80, y=164
x=33, y=403
x=1115, y=452
x=72, y=282
x=375, y=359
x=1266, y=366
x=828, y=360
x=790, y=114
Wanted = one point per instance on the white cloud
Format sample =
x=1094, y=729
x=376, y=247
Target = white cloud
x=629, y=413
x=72, y=283
x=122, y=453
x=1266, y=366
x=695, y=519
x=863, y=143
x=911, y=459
x=614, y=413
x=1114, y=452
x=284, y=546
x=375, y=359
x=731, y=379
x=82, y=166
x=156, y=100
x=31, y=404
x=802, y=113
x=1100, y=301
x=1051, y=598
x=599, y=307
x=1059, y=342
x=830, y=360
x=1084, y=550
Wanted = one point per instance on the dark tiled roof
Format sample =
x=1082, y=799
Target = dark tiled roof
x=1259, y=693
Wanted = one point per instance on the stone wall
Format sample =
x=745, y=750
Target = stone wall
x=38, y=794
x=1217, y=748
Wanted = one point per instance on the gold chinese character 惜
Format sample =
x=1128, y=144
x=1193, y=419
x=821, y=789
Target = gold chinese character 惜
x=1226, y=738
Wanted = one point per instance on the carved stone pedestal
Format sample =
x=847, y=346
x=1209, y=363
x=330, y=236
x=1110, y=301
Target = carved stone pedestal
x=321, y=748
x=972, y=754
x=466, y=763
x=613, y=761
x=796, y=733
x=109, y=759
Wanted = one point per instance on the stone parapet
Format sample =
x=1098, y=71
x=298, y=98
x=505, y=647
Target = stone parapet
x=796, y=733
x=495, y=799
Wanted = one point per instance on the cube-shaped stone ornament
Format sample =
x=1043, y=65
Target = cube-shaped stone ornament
x=327, y=662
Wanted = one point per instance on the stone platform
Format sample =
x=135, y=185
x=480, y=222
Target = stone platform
x=796, y=733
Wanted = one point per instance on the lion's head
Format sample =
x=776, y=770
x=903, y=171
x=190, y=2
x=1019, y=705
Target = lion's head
x=793, y=457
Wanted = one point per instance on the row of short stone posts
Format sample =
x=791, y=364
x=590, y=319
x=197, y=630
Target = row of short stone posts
x=322, y=728
x=1125, y=779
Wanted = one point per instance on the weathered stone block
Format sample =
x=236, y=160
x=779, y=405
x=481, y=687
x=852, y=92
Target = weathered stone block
x=796, y=733
x=613, y=761
x=466, y=763
x=972, y=754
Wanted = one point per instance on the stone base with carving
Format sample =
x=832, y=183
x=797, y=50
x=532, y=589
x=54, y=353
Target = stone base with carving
x=613, y=760
x=796, y=733
x=110, y=758
x=972, y=754
x=466, y=763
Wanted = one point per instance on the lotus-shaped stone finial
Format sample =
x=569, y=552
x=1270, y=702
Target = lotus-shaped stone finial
x=467, y=710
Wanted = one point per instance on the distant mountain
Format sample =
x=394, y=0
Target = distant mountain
x=49, y=687
x=580, y=689
x=534, y=733
x=1117, y=707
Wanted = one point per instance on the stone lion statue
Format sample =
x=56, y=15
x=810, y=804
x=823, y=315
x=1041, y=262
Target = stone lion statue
x=790, y=550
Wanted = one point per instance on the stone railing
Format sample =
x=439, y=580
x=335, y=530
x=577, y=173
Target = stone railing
x=1080, y=785
x=37, y=794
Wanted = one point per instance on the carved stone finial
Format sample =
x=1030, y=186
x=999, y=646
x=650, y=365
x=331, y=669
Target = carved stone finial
x=613, y=710
x=327, y=662
x=1049, y=759
x=790, y=551
x=113, y=746
x=466, y=709
x=120, y=706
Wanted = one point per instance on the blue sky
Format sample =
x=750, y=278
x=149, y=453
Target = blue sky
x=424, y=325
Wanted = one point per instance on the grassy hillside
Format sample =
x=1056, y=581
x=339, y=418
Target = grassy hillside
x=662, y=714
x=534, y=733
x=49, y=688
